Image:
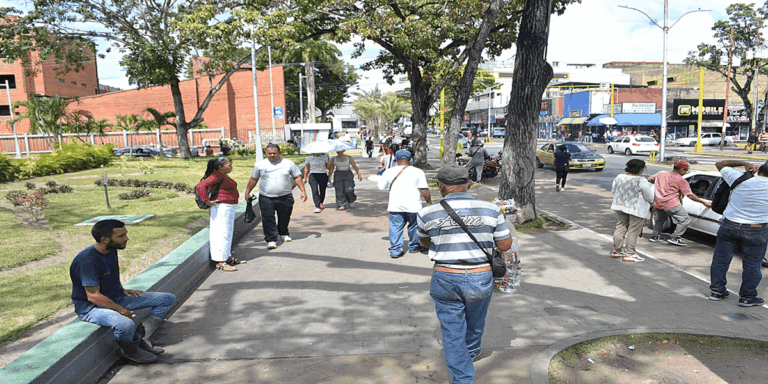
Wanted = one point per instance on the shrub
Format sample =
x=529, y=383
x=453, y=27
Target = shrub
x=15, y=197
x=9, y=168
x=135, y=194
x=34, y=204
x=51, y=183
x=70, y=157
x=30, y=185
x=59, y=188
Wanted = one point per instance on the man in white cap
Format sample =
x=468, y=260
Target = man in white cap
x=407, y=186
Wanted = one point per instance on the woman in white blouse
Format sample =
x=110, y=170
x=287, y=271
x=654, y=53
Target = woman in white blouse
x=317, y=168
x=632, y=198
x=343, y=180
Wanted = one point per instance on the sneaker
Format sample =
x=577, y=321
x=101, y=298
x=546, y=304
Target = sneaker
x=617, y=255
x=632, y=259
x=557, y=188
x=419, y=250
x=654, y=239
x=475, y=358
x=318, y=210
x=271, y=245
x=341, y=208
x=678, y=242
x=717, y=296
x=562, y=188
x=750, y=302
x=397, y=256
x=287, y=239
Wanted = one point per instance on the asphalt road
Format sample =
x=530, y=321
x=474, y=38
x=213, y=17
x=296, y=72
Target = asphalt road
x=587, y=199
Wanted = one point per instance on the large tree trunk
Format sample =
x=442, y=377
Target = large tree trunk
x=421, y=101
x=531, y=75
x=182, y=126
x=465, y=86
x=309, y=68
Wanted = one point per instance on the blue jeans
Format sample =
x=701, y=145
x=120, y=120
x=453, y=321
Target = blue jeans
x=397, y=222
x=732, y=237
x=124, y=327
x=461, y=302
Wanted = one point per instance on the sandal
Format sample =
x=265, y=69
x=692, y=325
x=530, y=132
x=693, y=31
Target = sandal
x=226, y=267
x=233, y=261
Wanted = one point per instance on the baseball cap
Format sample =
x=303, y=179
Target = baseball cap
x=402, y=154
x=453, y=175
x=682, y=164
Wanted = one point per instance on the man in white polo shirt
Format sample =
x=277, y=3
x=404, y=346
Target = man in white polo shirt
x=744, y=227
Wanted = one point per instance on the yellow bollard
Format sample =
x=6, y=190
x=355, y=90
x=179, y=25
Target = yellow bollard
x=652, y=157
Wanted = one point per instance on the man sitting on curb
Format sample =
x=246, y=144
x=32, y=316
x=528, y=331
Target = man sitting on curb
x=744, y=226
x=670, y=187
x=100, y=298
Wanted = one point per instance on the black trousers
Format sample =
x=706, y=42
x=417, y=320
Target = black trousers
x=318, y=182
x=268, y=206
x=561, y=172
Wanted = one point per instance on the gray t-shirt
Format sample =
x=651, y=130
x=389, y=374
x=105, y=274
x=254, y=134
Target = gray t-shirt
x=478, y=155
x=276, y=178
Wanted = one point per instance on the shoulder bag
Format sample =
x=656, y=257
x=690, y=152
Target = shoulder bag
x=398, y=175
x=213, y=193
x=498, y=264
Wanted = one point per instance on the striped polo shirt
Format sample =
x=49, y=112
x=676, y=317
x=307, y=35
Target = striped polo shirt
x=450, y=245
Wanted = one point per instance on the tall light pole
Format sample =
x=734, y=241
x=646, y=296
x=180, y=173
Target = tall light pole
x=490, y=94
x=259, y=154
x=666, y=29
x=10, y=110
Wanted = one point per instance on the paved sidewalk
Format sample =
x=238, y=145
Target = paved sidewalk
x=332, y=307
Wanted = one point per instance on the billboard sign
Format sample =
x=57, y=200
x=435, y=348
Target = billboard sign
x=688, y=109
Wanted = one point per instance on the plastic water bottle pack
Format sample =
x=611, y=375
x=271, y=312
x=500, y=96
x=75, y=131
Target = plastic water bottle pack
x=512, y=280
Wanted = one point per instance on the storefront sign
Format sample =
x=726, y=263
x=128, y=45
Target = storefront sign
x=688, y=109
x=607, y=109
x=638, y=107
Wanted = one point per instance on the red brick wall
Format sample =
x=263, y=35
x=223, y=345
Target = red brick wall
x=231, y=107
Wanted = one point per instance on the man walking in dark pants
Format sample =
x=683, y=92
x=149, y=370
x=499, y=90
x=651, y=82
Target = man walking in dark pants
x=275, y=193
x=462, y=281
x=744, y=227
x=369, y=147
x=562, y=163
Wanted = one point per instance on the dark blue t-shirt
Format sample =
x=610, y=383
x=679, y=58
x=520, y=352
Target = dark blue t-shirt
x=561, y=158
x=91, y=268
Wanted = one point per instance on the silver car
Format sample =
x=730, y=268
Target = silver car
x=703, y=219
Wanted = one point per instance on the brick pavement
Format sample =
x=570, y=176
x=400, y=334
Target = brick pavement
x=332, y=307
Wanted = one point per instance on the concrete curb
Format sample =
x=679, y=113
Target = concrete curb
x=724, y=155
x=540, y=365
x=82, y=352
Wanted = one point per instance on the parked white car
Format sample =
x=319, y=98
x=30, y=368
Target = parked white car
x=709, y=138
x=703, y=219
x=632, y=145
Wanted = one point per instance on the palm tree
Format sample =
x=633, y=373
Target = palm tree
x=308, y=52
x=130, y=123
x=45, y=115
x=392, y=107
x=159, y=120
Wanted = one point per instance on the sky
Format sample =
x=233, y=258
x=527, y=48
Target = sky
x=595, y=31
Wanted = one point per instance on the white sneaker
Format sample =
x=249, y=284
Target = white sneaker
x=271, y=245
x=562, y=188
x=318, y=210
x=287, y=239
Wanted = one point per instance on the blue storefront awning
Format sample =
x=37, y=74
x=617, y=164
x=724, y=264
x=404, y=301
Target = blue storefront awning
x=630, y=119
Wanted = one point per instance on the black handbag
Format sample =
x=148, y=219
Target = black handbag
x=213, y=193
x=496, y=259
x=250, y=215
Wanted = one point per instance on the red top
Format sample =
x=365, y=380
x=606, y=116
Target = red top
x=669, y=189
x=228, y=193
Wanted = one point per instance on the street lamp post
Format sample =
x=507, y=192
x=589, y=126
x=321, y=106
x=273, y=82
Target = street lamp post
x=490, y=94
x=666, y=29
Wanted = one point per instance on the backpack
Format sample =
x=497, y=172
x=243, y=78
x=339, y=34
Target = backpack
x=212, y=195
x=723, y=193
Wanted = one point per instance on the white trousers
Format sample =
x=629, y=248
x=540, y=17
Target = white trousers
x=222, y=225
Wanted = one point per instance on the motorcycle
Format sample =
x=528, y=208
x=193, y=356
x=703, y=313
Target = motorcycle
x=491, y=167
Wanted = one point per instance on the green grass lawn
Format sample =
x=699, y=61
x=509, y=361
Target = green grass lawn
x=30, y=295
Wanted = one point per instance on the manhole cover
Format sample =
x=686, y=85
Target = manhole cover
x=740, y=316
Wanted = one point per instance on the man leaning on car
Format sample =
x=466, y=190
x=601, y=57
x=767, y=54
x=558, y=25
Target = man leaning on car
x=744, y=226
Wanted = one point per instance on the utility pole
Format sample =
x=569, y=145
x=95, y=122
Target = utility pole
x=272, y=93
x=259, y=154
x=727, y=91
x=755, y=76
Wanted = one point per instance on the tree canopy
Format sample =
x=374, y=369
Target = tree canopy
x=745, y=19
